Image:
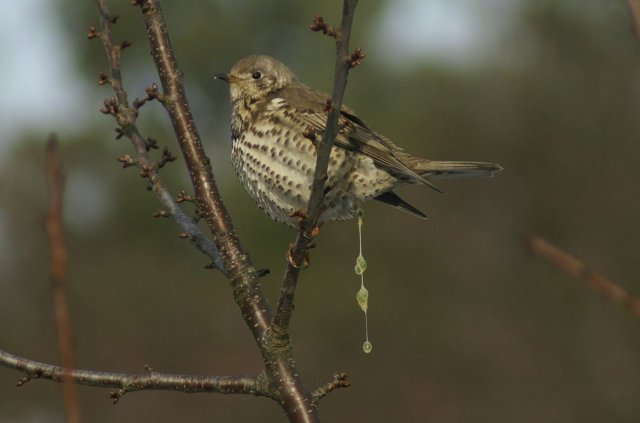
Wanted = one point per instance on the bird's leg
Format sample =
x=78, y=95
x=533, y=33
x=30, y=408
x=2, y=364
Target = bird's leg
x=315, y=231
x=301, y=215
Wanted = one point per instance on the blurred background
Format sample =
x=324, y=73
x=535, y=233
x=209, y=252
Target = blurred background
x=466, y=325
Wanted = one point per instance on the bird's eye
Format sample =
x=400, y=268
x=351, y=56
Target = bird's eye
x=256, y=75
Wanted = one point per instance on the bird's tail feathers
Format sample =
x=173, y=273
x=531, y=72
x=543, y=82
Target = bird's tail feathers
x=433, y=169
x=392, y=199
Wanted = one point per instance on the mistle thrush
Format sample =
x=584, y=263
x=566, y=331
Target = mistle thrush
x=276, y=123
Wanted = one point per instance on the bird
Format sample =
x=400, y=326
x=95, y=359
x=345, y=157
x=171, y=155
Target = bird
x=276, y=124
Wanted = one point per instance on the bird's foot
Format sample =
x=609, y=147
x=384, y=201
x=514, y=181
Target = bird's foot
x=315, y=231
x=302, y=215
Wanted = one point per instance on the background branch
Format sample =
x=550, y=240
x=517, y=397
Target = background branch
x=127, y=382
x=634, y=6
x=577, y=269
x=59, y=272
x=126, y=117
x=298, y=252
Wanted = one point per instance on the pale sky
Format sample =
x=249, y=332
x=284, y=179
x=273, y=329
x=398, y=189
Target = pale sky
x=456, y=32
x=38, y=94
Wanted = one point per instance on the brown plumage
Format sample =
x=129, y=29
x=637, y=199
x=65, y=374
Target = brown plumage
x=275, y=124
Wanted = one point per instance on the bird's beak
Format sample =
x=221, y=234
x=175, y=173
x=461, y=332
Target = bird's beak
x=223, y=77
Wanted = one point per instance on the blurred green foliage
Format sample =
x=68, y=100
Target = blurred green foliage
x=467, y=325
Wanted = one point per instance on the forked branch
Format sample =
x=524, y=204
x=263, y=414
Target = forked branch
x=280, y=379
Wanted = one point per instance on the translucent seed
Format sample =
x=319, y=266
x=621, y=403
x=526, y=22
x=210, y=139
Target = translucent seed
x=361, y=265
x=361, y=262
x=367, y=347
x=363, y=298
x=360, y=213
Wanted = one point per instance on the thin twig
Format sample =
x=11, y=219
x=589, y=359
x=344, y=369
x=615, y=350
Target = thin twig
x=126, y=117
x=577, y=269
x=59, y=272
x=339, y=381
x=634, y=6
x=130, y=382
x=300, y=248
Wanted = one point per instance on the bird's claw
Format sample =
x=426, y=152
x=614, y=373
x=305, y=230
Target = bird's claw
x=300, y=214
x=315, y=231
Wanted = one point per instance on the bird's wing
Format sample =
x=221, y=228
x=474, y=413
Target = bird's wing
x=354, y=133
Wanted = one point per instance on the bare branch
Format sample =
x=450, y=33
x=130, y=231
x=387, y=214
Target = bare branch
x=577, y=269
x=59, y=274
x=126, y=117
x=279, y=364
x=280, y=379
x=339, y=381
x=297, y=255
x=128, y=382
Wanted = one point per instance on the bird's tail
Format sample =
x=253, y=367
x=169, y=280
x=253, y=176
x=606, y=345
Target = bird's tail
x=433, y=169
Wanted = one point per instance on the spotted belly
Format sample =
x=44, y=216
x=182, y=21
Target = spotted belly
x=277, y=172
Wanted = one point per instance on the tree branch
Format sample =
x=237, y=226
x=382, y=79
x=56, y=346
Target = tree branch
x=280, y=379
x=634, y=6
x=299, y=250
x=126, y=117
x=577, y=269
x=59, y=272
x=128, y=382
x=240, y=271
x=280, y=366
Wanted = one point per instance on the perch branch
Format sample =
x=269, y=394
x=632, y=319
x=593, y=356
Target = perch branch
x=577, y=269
x=280, y=366
x=126, y=117
x=280, y=379
x=128, y=382
x=59, y=272
x=243, y=276
x=298, y=252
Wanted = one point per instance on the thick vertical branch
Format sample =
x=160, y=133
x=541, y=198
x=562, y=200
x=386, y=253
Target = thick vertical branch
x=59, y=272
x=305, y=235
x=280, y=379
x=242, y=274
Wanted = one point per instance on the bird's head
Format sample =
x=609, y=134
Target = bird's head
x=254, y=77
